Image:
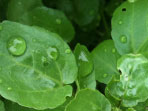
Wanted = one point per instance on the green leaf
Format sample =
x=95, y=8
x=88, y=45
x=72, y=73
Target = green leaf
x=114, y=102
x=84, y=61
x=17, y=8
x=11, y=106
x=129, y=27
x=2, y=106
x=85, y=11
x=105, y=59
x=86, y=74
x=89, y=100
x=38, y=77
x=50, y=19
x=131, y=86
x=88, y=81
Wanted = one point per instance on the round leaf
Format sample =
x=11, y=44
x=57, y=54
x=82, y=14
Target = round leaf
x=89, y=100
x=38, y=77
x=105, y=59
x=129, y=27
x=50, y=19
x=131, y=87
x=17, y=8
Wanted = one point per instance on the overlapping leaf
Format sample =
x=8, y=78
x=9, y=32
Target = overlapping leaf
x=105, y=59
x=130, y=27
x=35, y=66
x=89, y=100
x=131, y=86
x=2, y=106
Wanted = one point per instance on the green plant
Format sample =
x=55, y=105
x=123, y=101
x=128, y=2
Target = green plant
x=45, y=67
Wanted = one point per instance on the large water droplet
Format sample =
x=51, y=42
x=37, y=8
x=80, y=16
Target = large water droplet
x=67, y=51
x=53, y=53
x=83, y=57
x=1, y=27
x=123, y=39
x=58, y=21
x=16, y=46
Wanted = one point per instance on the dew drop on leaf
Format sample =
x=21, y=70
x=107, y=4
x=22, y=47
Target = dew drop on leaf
x=83, y=57
x=113, y=50
x=44, y=61
x=9, y=88
x=120, y=22
x=1, y=81
x=58, y=21
x=34, y=40
x=16, y=46
x=53, y=53
x=105, y=75
x=105, y=50
x=67, y=51
x=123, y=39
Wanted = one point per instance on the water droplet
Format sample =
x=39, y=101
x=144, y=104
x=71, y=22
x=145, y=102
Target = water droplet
x=44, y=60
x=16, y=46
x=123, y=39
x=105, y=50
x=131, y=92
x=34, y=40
x=113, y=50
x=58, y=21
x=52, y=53
x=120, y=22
x=1, y=81
x=105, y=75
x=67, y=51
x=1, y=27
x=83, y=57
x=132, y=1
x=9, y=88
x=126, y=78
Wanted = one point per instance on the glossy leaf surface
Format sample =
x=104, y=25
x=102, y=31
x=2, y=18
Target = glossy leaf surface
x=84, y=60
x=50, y=19
x=105, y=58
x=130, y=27
x=36, y=78
x=89, y=100
x=17, y=8
x=131, y=86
